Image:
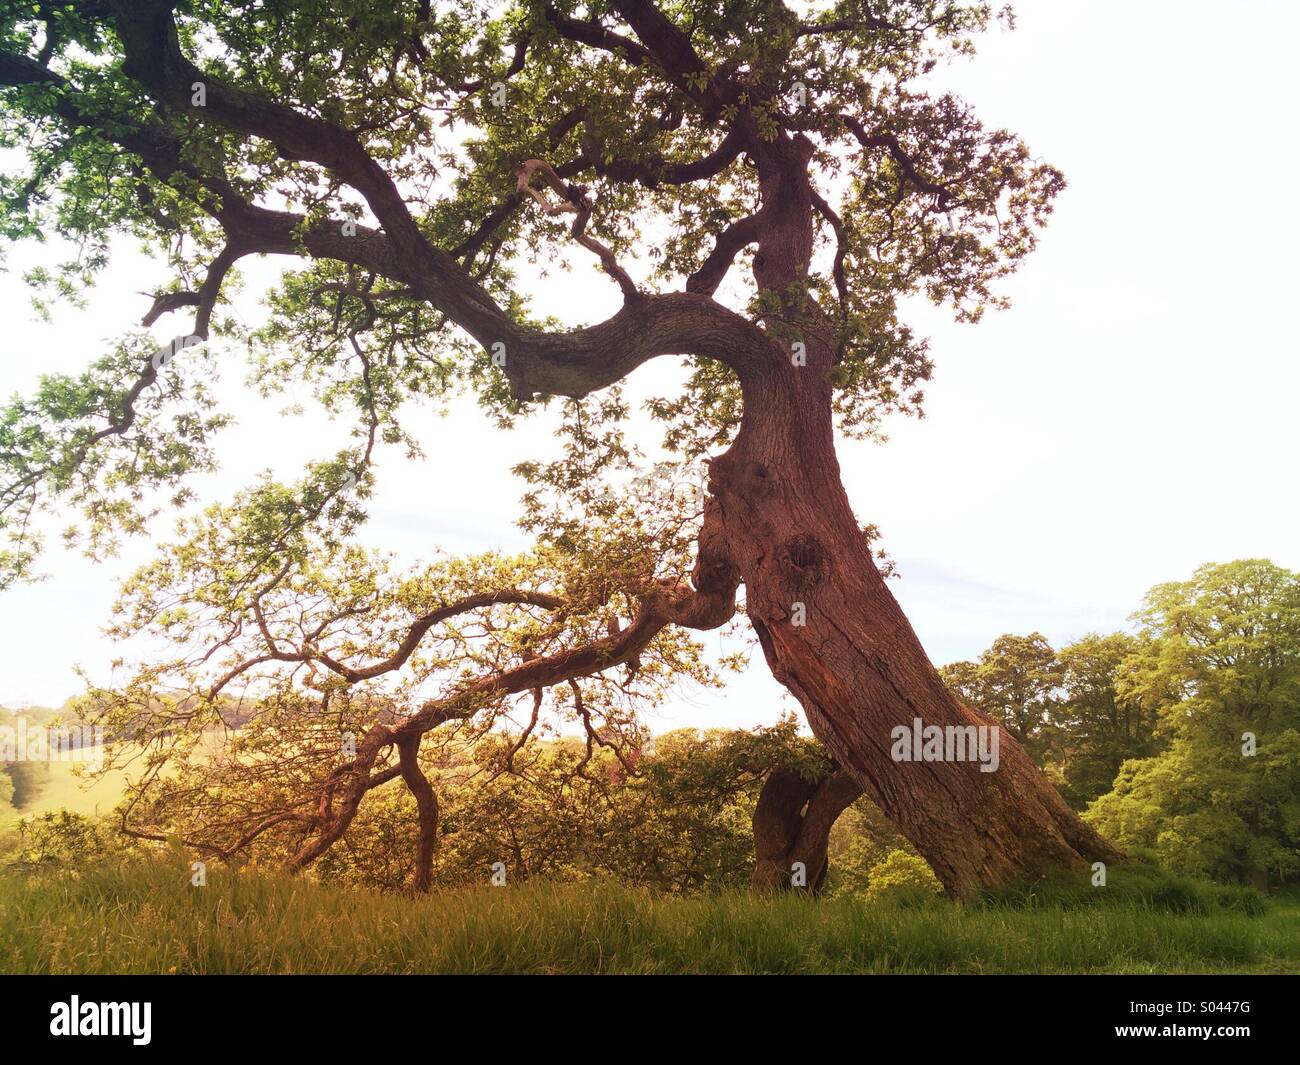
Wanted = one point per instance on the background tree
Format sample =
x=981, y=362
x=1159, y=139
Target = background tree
x=414, y=156
x=1077, y=711
x=1101, y=720
x=1015, y=682
x=22, y=781
x=1223, y=665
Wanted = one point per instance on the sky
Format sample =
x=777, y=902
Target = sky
x=1132, y=416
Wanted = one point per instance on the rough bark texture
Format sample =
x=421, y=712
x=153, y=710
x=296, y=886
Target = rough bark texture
x=856, y=665
x=849, y=654
x=792, y=823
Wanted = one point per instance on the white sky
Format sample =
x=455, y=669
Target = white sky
x=1132, y=416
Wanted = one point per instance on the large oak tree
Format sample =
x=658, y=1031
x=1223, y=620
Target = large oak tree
x=418, y=158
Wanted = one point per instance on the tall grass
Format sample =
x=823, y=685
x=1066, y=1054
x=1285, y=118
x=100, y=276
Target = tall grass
x=146, y=918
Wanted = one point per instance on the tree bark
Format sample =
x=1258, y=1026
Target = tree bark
x=792, y=823
x=856, y=665
x=830, y=629
x=426, y=804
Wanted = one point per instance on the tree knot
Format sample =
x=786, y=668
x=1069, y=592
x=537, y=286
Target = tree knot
x=804, y=560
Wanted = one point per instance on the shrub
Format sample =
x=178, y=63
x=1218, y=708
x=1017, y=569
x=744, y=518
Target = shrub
x=902, y=877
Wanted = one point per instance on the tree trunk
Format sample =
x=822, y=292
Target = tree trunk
x=836, y=638
x=426, y=804
x=792, y=823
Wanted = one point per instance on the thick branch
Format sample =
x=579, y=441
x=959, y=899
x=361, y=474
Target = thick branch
x=793, y=819
x=730, y=242
x=591, y=32
x=657, y=172
x=154, y=59
x=575, y=364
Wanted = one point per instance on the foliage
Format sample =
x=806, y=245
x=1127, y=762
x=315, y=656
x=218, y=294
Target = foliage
x=860, y=840
x=902, y=876
x=1100, y=720
x=411, y=123
x=679, y=823
x=68, y=841
x=1223, y=659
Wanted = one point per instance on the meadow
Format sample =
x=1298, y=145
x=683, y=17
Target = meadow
x=146, y=917
x=60, y=787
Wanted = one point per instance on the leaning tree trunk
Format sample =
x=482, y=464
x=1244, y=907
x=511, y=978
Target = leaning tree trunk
x=792, y=827
x=836, y=638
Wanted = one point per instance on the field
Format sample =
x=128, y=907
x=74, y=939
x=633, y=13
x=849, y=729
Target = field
x=147, y=918
x=60, y=788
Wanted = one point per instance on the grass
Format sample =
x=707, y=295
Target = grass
x=146, y=918
x=59, y=787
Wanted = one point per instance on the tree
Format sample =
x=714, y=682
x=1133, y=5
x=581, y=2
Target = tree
x=1222, y=663
x=1095, y=727
x=22, y=781
x=1076, y=711
x=412, y=155
x=1015, y=682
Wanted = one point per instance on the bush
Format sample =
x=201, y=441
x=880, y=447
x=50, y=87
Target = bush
x=902, y=877
x=65, y=840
